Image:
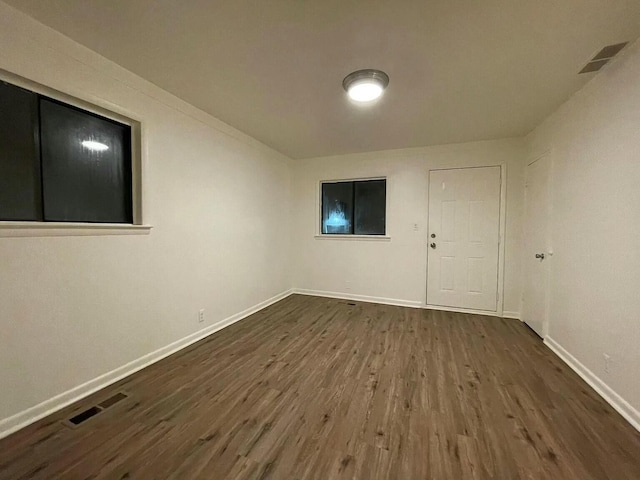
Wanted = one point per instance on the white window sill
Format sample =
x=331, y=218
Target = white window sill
x=69, y=229
x=373, y=238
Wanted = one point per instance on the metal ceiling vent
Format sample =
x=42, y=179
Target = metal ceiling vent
x=603, y=57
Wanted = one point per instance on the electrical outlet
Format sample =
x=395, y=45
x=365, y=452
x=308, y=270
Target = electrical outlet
x=607, y=362
x=416, y=227
x=201, y=316
x=347, y=285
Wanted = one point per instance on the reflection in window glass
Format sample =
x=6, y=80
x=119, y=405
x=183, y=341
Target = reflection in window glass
x=337, y=208
x=86, y=166
x=355, y=207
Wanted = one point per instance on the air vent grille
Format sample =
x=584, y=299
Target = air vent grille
x=112, y=400
x=85, y=415
x=603, y=57
x=594, y=66
x=609, y=51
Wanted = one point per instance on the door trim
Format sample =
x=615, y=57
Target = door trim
x=501, y=247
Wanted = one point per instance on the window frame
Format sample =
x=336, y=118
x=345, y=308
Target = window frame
x=351, y=236
x=102, y=108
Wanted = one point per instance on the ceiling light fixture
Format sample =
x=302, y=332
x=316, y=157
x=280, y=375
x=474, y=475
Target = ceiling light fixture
x=365, y=85
x=95, y=146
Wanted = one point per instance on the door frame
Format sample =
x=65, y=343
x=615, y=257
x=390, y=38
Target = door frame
x=547, y=155
x=501, y=244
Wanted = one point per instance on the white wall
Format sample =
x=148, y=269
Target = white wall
x=396, y=270
x=594, y=141
x=73, y=308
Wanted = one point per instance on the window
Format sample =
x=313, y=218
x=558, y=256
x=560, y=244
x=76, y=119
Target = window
x=59, y=163
x=354, y=208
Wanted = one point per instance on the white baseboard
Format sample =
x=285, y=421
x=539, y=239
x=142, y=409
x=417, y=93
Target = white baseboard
x=462, y=310
x=513, y=315
x=605, y=391
x=360, y=298
x=35, y=413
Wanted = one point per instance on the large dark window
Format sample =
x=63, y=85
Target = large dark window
x=60, y=163
x=354, y=208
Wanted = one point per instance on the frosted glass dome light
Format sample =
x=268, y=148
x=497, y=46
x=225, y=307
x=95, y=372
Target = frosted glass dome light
x=365, y=85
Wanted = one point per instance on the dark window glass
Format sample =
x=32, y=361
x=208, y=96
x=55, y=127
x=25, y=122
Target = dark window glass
x=357, y=207
x=86, y=166
x=370, y=207
x=19, y=160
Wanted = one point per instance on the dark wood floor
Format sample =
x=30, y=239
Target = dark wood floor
x=314, y=388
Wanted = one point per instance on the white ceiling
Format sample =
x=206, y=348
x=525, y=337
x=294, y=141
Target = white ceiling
x=460, y=70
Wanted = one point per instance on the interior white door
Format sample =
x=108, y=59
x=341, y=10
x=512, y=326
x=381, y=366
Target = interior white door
x=464, y=235
x=536, y=241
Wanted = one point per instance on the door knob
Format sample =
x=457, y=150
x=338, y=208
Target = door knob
x=433, y=245
x=433, y=235
x=540, y=256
